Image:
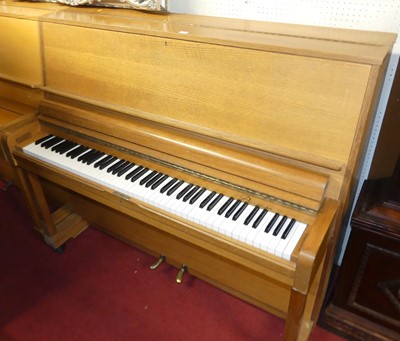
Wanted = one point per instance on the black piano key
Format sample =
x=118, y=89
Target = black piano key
x=83, y=157
x=190, y=193
x=184, y=191
x=121, y=166
x=225, y=206
x=271, y=223
x=278, y=228
x=214, y=202
x=92, y=155
x=240, y=211
x=60, y=145
x=134, y=172
x=100, y=162
x=288, y=228
x=125, y=169
x=197, y=196
x=207, y=200
x=51, y=142
x=139, y=174
x=148, y=177
x=107, y=163
x=232, y=209
x=168, y=185
x=95, y=157
x=67, y=148
x=115, y=165
x=259, y=218
x=44, y=138
x=175, y=187
x=77, y=151
x=159, y=181
x=153, y=180
x=251, y=215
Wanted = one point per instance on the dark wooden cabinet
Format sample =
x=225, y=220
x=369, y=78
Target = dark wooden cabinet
x=363, y=300
x=366, y=298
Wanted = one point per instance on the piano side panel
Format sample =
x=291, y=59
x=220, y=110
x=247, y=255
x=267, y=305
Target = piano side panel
x=20, y=98
x=21, y=71
x=20, y=51
x=18, y=106
x=259, y=98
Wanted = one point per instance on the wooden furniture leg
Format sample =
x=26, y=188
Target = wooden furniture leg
x=56, y=227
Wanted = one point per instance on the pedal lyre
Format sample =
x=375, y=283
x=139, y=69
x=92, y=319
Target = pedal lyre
x=158, y=263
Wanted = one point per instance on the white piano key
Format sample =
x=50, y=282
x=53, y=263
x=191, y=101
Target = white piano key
x=156, y=198
x=284, y=242
x=226, y=224
x=208, y=218
x=275, y=239
x=240, y=230
x=256, y=233
x=300, y=228
x=192, y=210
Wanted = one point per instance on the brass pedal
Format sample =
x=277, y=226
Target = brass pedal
x=158, y=263
x=179, y=277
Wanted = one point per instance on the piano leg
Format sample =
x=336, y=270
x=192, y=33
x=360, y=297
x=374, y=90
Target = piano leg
x=30, y=199
x=56, y=227
x=49, y=227
x=304, y=308
x=6, y=174
x=296, y=326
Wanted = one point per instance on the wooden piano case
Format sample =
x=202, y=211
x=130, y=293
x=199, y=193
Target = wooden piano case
x=275, y=115
x=21, y=71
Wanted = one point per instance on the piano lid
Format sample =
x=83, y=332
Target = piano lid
x=323, y=42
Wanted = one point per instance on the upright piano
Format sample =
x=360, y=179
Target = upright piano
x=227, y=148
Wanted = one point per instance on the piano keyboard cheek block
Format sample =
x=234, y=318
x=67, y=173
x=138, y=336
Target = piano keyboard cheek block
x=228, y=151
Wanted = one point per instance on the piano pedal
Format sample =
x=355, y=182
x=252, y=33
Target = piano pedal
x=179, y=277
x=158, y=263
x=7, y=185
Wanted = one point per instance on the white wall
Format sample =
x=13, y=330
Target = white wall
x=374, y=15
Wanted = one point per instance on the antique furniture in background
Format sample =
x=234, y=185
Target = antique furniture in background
x=366, y=303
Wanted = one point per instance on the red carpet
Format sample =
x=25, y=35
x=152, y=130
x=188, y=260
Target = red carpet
x=102, y=289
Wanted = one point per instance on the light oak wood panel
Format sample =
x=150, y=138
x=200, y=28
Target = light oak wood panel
x=20, y=51
x=323, y=42
x=261, y=99
x=19, y=98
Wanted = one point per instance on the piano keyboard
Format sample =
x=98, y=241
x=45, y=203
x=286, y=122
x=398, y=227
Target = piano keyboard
x=253, y=225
